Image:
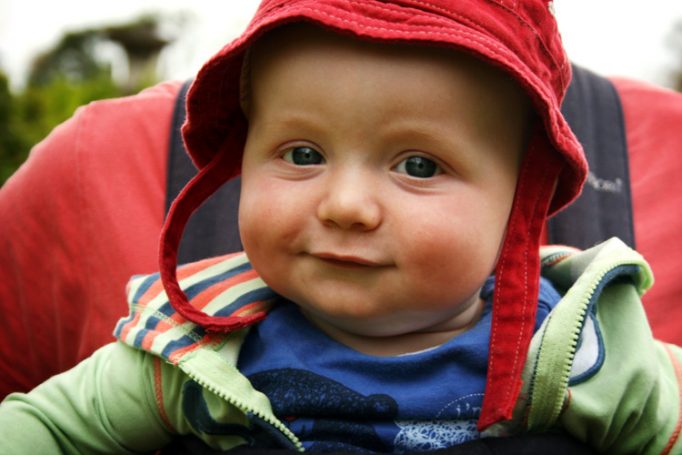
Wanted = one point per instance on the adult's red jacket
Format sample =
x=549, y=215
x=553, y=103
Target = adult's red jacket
x=84, y=212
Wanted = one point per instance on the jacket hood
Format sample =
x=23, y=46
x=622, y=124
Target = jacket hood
x=519, y=37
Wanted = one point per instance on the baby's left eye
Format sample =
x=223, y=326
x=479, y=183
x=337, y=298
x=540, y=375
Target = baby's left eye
x=303, y=156
x=418, y=167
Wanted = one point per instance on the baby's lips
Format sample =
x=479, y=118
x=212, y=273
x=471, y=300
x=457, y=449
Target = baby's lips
x=347, y=259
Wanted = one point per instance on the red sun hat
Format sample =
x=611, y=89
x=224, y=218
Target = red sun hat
x=519, y=37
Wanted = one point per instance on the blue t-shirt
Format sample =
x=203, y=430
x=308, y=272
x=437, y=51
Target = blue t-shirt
x=337, y=399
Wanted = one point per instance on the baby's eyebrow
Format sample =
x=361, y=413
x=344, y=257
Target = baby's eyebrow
x=293, y=117
x=435, y=137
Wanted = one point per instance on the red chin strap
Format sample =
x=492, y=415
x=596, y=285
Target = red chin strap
x=517, y=280
x=196, y=192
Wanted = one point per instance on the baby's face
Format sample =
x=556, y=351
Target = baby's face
x=377, y=181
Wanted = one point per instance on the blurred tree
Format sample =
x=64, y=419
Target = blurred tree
x=72, y=74
x=73, y=59
x=13, y=144
x=142, y=44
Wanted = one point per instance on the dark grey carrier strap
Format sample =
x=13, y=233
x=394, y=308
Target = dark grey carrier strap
x=593, y=109
x=212, y=230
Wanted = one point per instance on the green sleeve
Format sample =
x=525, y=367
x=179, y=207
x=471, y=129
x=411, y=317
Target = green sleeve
x=106, y=404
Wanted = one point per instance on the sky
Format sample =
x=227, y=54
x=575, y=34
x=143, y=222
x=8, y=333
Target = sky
x=612, y=37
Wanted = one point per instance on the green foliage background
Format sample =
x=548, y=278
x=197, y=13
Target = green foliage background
x=65, y=77
x=29, y=116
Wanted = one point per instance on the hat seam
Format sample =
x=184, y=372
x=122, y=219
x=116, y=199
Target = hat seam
x=413, y=4
x=561, y=67
x=514, y=3
x=476, y=38
x=512, y=12
x=435, y=29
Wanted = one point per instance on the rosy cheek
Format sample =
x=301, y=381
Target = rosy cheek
x=253, y=214
x=267, y=218
x=446, y=253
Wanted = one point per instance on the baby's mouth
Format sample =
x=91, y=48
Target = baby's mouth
x=346, y=261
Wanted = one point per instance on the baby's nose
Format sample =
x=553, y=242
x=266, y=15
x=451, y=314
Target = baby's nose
x=351, y=201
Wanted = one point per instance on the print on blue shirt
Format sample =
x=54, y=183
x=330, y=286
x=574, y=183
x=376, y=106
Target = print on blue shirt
x=322, y=410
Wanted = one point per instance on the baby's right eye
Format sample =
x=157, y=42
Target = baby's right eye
x=418, y=167
x=303, y=156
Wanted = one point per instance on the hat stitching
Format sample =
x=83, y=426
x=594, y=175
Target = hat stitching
x=499, y=3
x=413, y=3
x=550, y=54
x=492, y=44
x=436, y=31
x=513, y=3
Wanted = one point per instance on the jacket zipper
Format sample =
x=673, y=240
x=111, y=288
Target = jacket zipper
x=248, y=410
x=548, y=419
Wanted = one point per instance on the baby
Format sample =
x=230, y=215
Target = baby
x=398, y=162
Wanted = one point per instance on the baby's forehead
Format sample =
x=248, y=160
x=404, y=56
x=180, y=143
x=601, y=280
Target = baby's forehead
x=327, y=52
x=300, y=39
